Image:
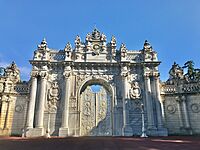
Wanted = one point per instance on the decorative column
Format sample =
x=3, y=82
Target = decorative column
x=150, y=117
x=31, y=105
x=158, y=102
x=42, y=96
x=63, y=131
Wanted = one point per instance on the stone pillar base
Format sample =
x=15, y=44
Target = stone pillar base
x=63, y=132
x=34, y=132
x=127, y=131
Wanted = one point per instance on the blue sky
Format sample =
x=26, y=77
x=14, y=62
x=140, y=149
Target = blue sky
x=171, y=26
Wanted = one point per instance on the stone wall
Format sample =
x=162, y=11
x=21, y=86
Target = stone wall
x=181, y=100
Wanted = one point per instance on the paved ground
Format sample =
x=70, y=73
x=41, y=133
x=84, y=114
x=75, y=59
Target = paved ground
x=101, y=143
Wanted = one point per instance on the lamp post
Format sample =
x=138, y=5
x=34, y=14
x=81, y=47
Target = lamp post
x=143, y=135
x=48, y=126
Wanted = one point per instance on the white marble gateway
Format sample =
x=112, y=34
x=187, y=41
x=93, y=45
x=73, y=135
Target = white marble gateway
x=58, y=99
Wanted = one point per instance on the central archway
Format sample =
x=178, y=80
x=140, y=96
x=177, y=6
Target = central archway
x=96, y=117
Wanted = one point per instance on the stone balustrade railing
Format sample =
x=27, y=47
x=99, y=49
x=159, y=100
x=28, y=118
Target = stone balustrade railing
x=168, y=89
x=22, y=88
x=182, y=88
x=57, y=56
x=133, y=56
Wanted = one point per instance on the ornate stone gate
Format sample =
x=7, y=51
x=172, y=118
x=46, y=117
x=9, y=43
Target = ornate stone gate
x=61, y=102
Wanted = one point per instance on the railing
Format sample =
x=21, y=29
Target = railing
x=133, y=56
x=22, y=88
x=181, y=88
x=191, y=88
x=58, y=56
x=168, y=89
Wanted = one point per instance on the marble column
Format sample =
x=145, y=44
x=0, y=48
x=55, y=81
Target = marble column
x=158, y=102
x=150, y=116
x=31, y=105
x=42, y=96
x=185, y=112
x=63, y=131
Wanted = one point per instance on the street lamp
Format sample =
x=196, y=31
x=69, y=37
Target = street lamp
x=143, y=125
x=48, y=126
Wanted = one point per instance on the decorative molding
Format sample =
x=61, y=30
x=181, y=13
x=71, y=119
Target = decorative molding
x=171, y=109
x=19, y=108
x=195, y=108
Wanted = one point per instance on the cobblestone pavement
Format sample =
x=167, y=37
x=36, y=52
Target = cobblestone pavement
x=101, y=143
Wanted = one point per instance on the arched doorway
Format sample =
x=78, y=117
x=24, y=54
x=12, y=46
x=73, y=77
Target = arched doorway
x=96, y=109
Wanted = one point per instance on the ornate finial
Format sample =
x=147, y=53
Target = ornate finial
x=123, y=50
x=43, y=45
x=77, y=40
x=68, y=47
x=96, y=34
x=147, y=45
x=123, y=47
x=13, y=65
x=103, y=37
x=113, y=41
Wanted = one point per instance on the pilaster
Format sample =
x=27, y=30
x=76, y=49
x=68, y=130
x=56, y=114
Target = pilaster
x=185, y=114
x=179, y=112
